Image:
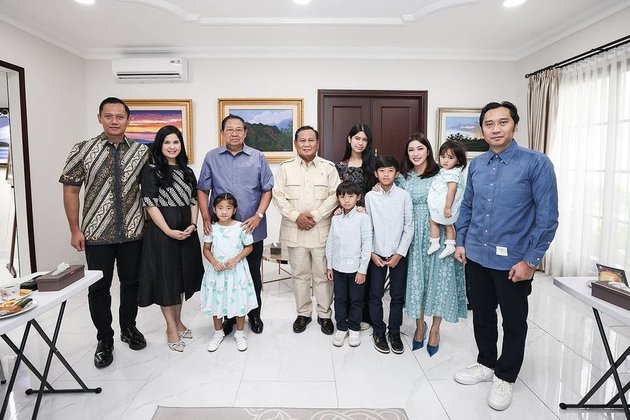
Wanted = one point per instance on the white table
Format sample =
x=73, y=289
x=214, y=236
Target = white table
x=45, y=302
x=578, y=287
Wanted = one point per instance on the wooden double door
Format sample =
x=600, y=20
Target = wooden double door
x=392, y=115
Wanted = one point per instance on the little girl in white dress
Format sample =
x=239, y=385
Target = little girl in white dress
x=227, y=289
x=445, y=197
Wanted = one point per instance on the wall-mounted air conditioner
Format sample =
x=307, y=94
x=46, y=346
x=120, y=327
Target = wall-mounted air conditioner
x=150, y=69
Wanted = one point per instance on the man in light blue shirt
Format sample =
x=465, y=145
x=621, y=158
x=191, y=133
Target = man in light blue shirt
x=244, y=172
x=508, y=218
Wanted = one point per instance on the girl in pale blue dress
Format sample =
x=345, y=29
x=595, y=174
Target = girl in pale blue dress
x=227, y=289
x=435, y=287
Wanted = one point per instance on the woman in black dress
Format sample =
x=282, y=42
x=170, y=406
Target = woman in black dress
x=171, y=266
x=357, y=164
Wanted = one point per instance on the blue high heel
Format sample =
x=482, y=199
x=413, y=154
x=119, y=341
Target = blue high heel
x=415, y=345
x=433, y=349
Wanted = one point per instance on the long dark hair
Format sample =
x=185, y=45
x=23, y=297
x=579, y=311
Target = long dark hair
x=367, y=156
x=407, y=166
x=223, y=197
x=163, y=174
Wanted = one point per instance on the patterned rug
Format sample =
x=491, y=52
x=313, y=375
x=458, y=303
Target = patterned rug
x=240, y=413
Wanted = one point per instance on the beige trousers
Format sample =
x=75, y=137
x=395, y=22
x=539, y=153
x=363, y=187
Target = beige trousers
x=309, y=265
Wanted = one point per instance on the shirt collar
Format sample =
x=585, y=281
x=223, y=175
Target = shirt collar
x=506, y=155
x=350, y=213
x=246, y=149
x=105, y=141
x=312, y=162
x=391, y=190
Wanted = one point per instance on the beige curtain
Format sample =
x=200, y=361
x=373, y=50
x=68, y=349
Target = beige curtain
x=542, y=108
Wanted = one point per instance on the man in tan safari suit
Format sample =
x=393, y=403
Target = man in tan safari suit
x=304, y=193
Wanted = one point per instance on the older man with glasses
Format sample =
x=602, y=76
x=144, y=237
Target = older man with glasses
x=243, y=171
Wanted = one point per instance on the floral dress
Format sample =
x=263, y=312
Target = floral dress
x=435, y=284
x=229, y=292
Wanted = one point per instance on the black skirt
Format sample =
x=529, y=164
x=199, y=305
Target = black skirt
x=169, y=267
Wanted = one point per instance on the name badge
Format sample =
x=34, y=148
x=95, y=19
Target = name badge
x=502, y=251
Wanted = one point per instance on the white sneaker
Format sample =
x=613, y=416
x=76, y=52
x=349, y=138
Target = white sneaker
x=339, y=338
x=435, y=245
x=474, y=374
x=216, y=340
x=366, y=327
x=500, y=396
x=241, y=340
x=355, y=339
x=449, y=248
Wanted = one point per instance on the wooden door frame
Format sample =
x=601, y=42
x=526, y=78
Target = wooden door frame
x=331, y=93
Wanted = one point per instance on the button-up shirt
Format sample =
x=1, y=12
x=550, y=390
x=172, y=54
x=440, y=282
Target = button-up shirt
x=305, y=187
x=392, y=220
x=112, y=207
x=349, y=243
x=246, y=175
x=510, y=208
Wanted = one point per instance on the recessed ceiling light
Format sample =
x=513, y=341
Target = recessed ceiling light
x=513, y=3
x=85, y=1
x=302, y=1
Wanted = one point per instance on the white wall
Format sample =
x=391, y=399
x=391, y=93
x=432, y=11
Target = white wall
x=55, y=99
x=449, y=84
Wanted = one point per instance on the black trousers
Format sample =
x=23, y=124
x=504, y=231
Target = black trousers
x=349, y=298
x=127, y=258
x=397, y=287
x=489, y=288
x=254, y=259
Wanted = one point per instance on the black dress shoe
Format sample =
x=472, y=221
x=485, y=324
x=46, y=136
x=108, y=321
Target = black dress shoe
x=256, y=324
x=327, y=325
x=133, y=337
x=300, y=323
x=104, y=356
x=228, y=325
x=396, y=343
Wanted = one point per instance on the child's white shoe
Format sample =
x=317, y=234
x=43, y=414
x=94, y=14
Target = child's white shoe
x=354, y=339
x=216, y=340
x=241, y=340
x=449, y=248
x=435, y=245
x=339, y=338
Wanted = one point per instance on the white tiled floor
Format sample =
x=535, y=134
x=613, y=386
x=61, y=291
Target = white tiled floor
x=563, y=359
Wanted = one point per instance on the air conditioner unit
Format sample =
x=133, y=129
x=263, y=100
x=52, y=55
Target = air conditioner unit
x=150, y=69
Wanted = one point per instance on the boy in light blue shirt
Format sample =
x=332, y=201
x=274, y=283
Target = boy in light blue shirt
x=348, y=251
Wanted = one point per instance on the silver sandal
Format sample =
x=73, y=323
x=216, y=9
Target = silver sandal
x=179, y=346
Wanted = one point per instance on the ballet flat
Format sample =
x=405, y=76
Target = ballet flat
x=416, y=345
x=179, y=346
x=185, y=334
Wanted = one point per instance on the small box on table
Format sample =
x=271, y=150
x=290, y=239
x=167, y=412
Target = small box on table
x=275, y=248
x=51, y=283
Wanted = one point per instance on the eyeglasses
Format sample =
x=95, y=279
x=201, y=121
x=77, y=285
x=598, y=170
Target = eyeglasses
x=238, y=131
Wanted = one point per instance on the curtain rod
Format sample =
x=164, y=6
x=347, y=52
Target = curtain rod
x=584, y=55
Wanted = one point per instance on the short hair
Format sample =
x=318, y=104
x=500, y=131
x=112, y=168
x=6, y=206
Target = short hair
x=232, y=117
x=348, y=187
x=386, y=162
x=113, y=100
x=494, y=105
x=458, y=150
x=304, y=128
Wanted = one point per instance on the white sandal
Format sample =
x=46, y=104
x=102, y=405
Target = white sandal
x=179, y=346
x=185, y=334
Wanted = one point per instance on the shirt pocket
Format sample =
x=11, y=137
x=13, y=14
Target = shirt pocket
x=321, y=190
x=512, y=195
x=293, y=191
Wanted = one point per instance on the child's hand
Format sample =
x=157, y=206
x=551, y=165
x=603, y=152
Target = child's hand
x=218, y=267
x=393, y=261
x=329, y=274
x=359, y=278
x=229, y=264
x=377, y=260
x=447, y=212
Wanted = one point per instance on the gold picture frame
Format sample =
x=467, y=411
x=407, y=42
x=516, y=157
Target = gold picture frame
x=149, y=115
x=271, y=123
x=461, y=125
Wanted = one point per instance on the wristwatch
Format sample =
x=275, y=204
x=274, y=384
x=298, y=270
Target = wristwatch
x=259, y=214
x=530, y=265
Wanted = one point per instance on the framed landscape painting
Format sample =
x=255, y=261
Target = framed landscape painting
x=5, y=137
x=271, y=123
x=149, y=115
x=462, y=125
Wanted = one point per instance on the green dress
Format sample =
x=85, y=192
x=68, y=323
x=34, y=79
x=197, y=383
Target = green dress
x=437, y=285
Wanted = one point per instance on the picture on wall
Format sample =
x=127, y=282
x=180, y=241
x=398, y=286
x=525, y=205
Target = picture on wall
x=271, y=123
x=5, y=137
x=149, y=115
x=462, y=125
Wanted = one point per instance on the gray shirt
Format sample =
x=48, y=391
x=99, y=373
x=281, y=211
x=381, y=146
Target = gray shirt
x=349, y=243
x=391, y=212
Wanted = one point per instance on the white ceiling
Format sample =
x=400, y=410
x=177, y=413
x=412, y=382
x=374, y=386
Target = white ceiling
x=466, y=29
